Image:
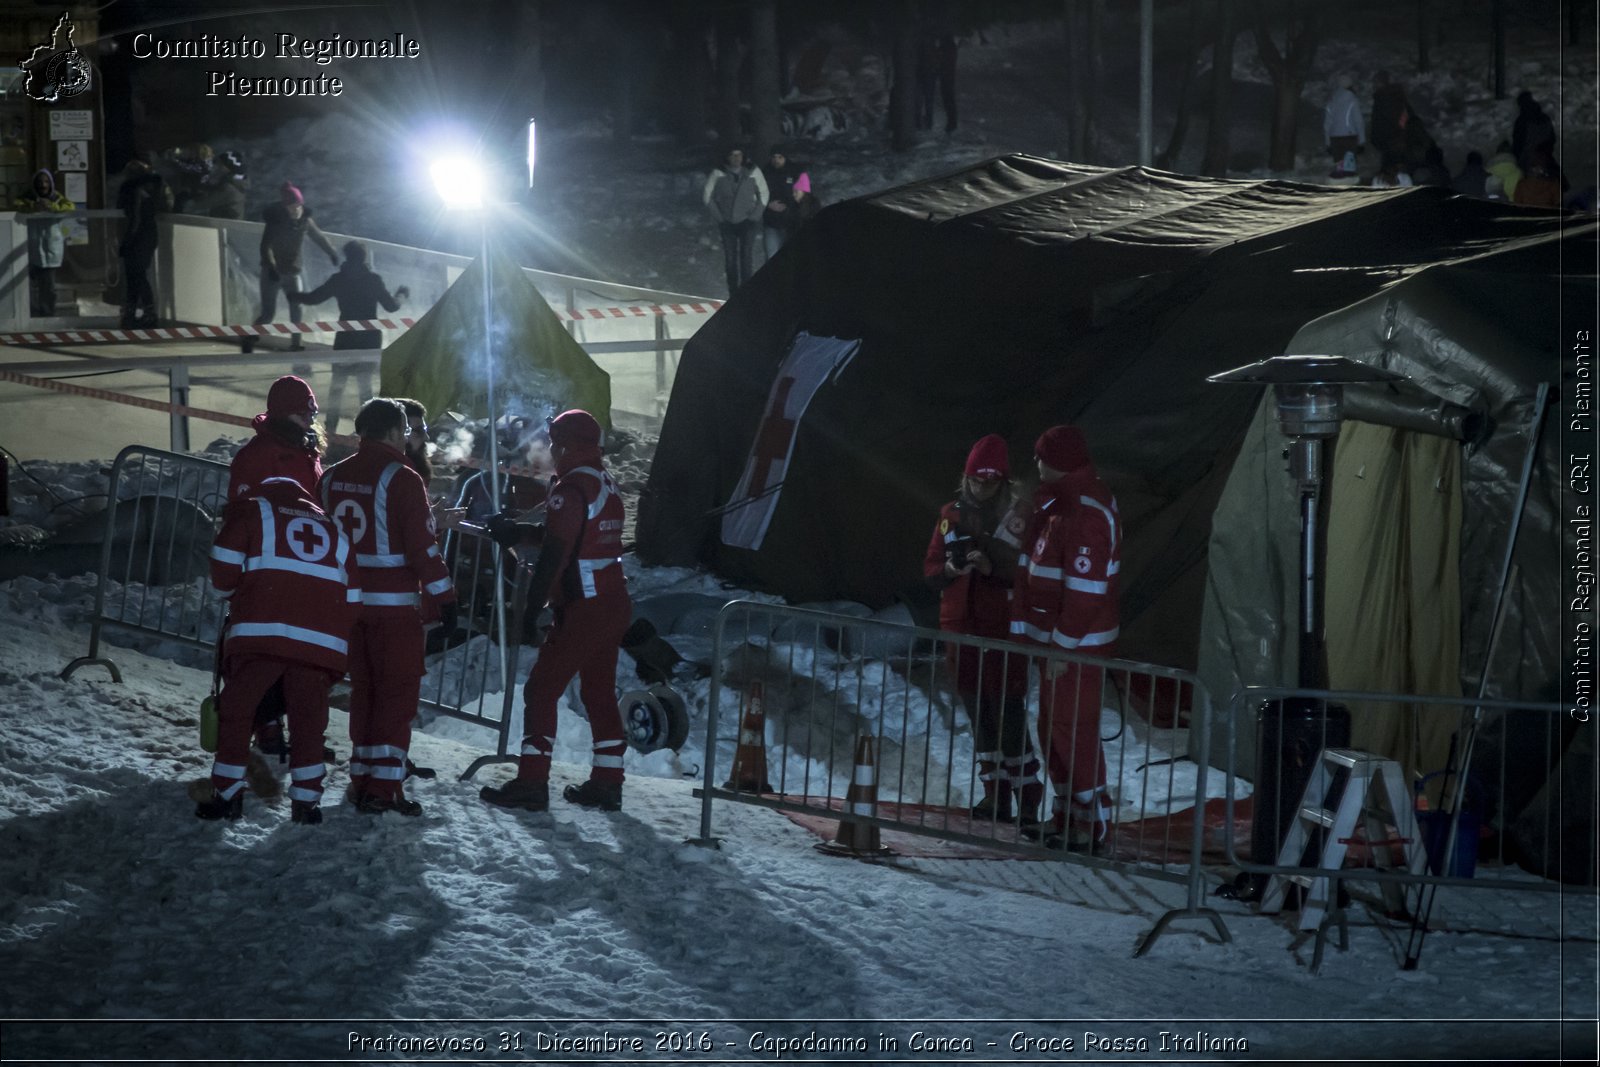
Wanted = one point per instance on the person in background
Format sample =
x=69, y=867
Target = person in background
x=1342, y=130
x=142, y=197
x=736, y=197
x=229, y=186
x=971, y=562
x=1433, y=170
x=382, y=506
x=936, y=64
x=1542, y=183
x=1470, y=181
x=1531, y=131
x=578, y=572
x=359, y=293
x=780, y=174
x=47, y=241
x=288, y=224
x=1065, y=598
x=1391, y=175
x=196, y=167
x=288, y=575
x=1502, y=167
x=803, y=209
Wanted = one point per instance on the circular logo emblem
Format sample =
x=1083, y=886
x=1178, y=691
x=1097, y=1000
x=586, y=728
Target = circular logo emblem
x=308, y=539
x=556, y=502
x=1081, y=564
x=352, y=519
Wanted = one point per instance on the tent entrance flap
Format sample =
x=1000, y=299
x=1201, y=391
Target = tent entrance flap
x=810, y=362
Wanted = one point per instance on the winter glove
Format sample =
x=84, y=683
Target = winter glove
x=505, y=530
x=448, y=614
x=535, y=625
x=403, y=292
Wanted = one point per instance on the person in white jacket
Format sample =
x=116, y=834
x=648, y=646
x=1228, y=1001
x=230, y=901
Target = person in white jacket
x=736, y=196
x=1342, y=128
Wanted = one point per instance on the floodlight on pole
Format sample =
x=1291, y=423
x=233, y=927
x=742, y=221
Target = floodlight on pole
x=459, y=181
x=461, y=184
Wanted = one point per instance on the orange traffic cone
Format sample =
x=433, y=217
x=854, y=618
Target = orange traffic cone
x=857, y=838
x=750, y=759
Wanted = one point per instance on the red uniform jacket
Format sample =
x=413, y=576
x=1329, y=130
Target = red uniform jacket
x=269, y=456
x=382, y=506
x=1066, y=585
x=977, y=604
x=285, y=568
x=585, y=512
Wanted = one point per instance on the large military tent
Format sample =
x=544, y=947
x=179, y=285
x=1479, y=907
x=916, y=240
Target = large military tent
x=539, y=368
x=836, y=394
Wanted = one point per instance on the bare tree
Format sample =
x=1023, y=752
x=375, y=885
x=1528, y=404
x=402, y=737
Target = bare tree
x=765, y=110
x=729, y=57
x=1288, y=68
x=1167, y=158
x=1424, y=19
x=1082, y=20
x=1220, y=121
x=691, y=28
x=903, y=28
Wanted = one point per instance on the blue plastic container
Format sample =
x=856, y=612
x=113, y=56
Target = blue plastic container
x=1435, y=827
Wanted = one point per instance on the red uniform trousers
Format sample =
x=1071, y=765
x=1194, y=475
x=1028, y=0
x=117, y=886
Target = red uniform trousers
x=994, y=689
x=584, y=642
x=1069, y=725
x=385, y=685
x=305, y=691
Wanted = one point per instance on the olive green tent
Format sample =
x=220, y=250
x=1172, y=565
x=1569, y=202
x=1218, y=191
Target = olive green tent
x=539, y=368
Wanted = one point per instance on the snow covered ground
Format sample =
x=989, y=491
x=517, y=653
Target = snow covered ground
x=470, y=921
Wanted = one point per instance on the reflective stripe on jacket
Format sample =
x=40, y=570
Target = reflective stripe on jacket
x=286, y=571
x=382, y=506
x=1066, y=583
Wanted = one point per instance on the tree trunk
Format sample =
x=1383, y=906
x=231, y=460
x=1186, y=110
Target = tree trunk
x=623, y=67
x=1218, y=124
x=729, y=131
x=1167, y=159
x=1424, y=17
x=1497, y=32
x=1288, y=69
x=764, y=81
x=530, y=52
x=1082, y=23
x=903, y=90
x=693, y=61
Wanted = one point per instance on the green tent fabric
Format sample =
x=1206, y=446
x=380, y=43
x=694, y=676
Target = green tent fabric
x=540, y=369
x=1394, y=550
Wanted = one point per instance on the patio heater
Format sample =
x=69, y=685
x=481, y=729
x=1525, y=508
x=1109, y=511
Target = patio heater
x=1309, y=394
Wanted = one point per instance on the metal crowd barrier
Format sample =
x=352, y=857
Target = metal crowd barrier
x=826, y=681
x=1492, y=794
x=474, y=676
x=162, y=512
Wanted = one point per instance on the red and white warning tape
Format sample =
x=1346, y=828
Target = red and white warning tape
x=285, y=329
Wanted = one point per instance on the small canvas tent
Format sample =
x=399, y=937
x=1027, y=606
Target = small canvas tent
x=539, y=368
x=1004, y=298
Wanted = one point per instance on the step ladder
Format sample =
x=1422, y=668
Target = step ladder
x=1372, y=779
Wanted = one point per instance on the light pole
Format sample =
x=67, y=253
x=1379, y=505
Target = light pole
x=1309, y=394
x=460, y=183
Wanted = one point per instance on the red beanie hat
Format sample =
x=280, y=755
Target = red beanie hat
x=1062, y=448
x=290, y=195
x=988, y=458
x=290, y=396
x=575, y=427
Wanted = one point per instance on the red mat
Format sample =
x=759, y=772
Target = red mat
x=1163, y=840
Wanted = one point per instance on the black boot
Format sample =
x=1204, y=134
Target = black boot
x=607, y=796
x=305, y=811
x=217, y=808
x=518, y=793
x=373, y=804
x=413, y=771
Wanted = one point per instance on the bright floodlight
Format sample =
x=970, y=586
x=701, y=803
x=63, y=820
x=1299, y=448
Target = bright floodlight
x=531, y=153
x=459, y=182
